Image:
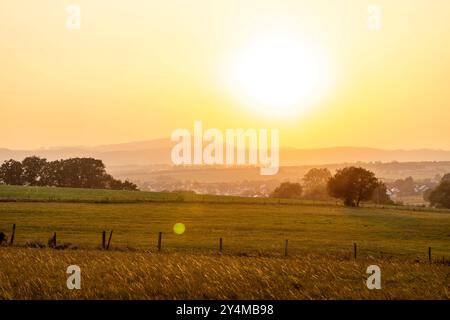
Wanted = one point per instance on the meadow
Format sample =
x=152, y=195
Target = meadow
x=252, y=264
x=40, y=274
x=53, y=194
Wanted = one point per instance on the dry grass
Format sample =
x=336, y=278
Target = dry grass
x=320, y=248
x=41, y=274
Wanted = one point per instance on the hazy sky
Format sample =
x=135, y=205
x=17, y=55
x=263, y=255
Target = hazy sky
x=138, y=70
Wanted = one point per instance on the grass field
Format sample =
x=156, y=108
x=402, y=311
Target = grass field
x=77, y=195
x=51, y=194
x=40, y=274
x=320, y=245
x=244, y=228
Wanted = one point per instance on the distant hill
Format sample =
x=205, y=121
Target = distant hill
x=354, y=154
x=153, y=152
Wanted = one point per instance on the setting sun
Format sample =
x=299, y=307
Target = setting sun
x=278, y=75
x=225, y=158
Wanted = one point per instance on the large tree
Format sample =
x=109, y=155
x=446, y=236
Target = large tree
x=406, y=186
x=315, y=182
x=446, y=177
x=11, y=172
x=380, y=195
x=52, y=174
x=352, y=185
x=33, y=168
x=440, y=196
x=83, y=173
x=288, y=190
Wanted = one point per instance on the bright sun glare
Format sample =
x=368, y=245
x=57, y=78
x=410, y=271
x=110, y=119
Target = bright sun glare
x=278, y=75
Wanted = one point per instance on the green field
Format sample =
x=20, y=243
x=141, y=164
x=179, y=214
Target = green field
x=320, y=262
x=246, y=228
x=52, y=194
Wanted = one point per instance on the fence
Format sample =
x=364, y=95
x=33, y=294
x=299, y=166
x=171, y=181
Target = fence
x=52, y=243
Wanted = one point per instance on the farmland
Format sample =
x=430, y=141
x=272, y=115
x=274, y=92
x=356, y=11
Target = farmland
x=40, y=274
x=320, y=247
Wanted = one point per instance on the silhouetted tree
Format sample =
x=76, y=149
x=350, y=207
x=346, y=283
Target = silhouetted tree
x=32, y=170
x=288, y=190
x=315, y=182
x=74, y=173
x=51, y=174
x=427, y=195
x=380, y=195
x=82, y=173
x=352, y=185
x=129, y=186
x=406, y=186
x=440, y=196
x=11, y=172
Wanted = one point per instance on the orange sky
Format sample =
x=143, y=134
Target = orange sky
x=138, y=70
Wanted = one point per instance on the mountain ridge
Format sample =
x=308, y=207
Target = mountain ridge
x=157, y=151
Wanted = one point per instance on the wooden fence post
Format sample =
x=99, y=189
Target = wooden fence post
x=220, y=245
x=54, y=240
x=286, y=248
x=11, y=242
x=103, y=240
x=429, y=255
x=354, y=250
x=159, y=241
x=109, y=240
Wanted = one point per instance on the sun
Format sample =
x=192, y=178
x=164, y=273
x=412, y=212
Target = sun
x=278, y=75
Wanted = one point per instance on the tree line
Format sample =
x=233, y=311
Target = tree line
x=352, y=185
x=72, y=173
